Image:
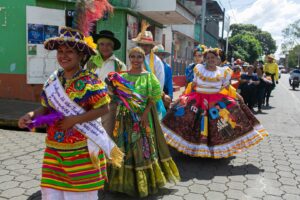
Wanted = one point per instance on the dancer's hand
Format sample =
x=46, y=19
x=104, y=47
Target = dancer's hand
x=24, y=120
x=67, y=122
x=167, y=101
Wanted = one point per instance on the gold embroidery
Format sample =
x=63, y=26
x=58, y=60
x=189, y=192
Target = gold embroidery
x=205, y=78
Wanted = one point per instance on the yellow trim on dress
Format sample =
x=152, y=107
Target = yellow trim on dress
x=66, y=146
x=205, y=78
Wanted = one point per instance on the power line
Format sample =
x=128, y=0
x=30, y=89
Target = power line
x=233, y=14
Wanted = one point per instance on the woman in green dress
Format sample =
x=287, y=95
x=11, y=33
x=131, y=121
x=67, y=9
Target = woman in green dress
x=148, y=164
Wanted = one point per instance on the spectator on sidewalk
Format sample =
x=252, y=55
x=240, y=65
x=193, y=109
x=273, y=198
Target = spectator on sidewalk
x=236, y=76
x=248, y=84
x=264, y=83
x=271, y=69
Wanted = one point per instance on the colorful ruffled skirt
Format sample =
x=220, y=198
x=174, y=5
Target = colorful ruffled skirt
x=211, y=125
x=68, y=167
x=147, y=164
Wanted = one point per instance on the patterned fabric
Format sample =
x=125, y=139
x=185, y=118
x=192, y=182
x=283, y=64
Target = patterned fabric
x=89, y=92
x=211, y=81
x=148, y=164
x=72, y=170
x=189, y=72
x=209, y=122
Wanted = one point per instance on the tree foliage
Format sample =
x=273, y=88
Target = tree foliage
x=265, y=39
x=245, y=47
x=291, y=35
x=293, y=56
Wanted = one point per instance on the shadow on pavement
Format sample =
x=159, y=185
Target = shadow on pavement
x=206, y=169
x=190, y=168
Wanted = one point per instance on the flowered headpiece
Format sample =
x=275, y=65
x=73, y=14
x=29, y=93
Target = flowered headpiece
x=87, y=12
x=215, y=51
x=200, y=48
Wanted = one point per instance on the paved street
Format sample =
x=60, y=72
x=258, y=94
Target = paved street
x=269, y=171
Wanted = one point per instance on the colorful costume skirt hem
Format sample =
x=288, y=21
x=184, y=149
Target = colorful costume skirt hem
x=218, y=151
x=143, y=181
x=72, y=170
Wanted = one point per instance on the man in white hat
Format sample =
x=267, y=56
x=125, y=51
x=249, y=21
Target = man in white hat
x=152, y=62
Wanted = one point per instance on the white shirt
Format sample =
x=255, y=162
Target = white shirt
x=108, y=66
x=211, y=81
x=159, y=69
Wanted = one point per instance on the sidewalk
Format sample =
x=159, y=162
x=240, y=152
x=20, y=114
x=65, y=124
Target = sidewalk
x=11, y=110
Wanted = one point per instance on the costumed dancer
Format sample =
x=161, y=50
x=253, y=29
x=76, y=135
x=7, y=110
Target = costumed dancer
x=74, y=166
x=104, y=62
x=159, y=50
x=148, y=164
x=210, y=122
x=271, y=69
x=152, y=63
x=198, y=59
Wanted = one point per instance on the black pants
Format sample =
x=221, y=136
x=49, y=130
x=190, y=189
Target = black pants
x=248, y=92
x=260, y=97
x=267, y=95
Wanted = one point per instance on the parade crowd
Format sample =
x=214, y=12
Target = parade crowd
x=109, y=126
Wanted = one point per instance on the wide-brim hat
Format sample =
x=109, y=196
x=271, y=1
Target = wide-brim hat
x=160, y=50
x=145, y=37
x=109, y=35
x=73, y=39
x=271, y=56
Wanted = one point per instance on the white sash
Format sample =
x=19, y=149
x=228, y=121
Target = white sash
x=93, y=130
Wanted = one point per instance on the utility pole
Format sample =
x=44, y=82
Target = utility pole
x=203, y=14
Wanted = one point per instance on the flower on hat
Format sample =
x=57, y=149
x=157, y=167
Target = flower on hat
x=90, y=42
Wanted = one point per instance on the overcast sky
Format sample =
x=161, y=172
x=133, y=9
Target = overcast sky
x=269, y=15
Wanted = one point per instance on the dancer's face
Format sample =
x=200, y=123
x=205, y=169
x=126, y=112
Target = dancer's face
x=136, y=60
x=68, y=58
x=211, y=60
x=198, y=57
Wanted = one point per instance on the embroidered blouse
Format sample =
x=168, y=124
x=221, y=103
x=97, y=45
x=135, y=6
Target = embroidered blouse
x=211, y=81
x=87, y=91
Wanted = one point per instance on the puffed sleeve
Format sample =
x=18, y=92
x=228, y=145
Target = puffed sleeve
x=154, y=92
x=99, y=94
x=227, y=76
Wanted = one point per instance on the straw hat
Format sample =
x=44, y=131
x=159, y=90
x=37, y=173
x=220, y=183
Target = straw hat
x=160, y=50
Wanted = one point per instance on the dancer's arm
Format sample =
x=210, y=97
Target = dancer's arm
x=26, y=119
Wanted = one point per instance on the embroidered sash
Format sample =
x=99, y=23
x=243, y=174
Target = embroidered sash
x=93, y=130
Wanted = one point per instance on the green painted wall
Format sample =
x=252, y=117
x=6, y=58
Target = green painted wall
x=120, y=3
x=13, y=36
x=117, y=24
x=13, y=42
x=56, y=4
